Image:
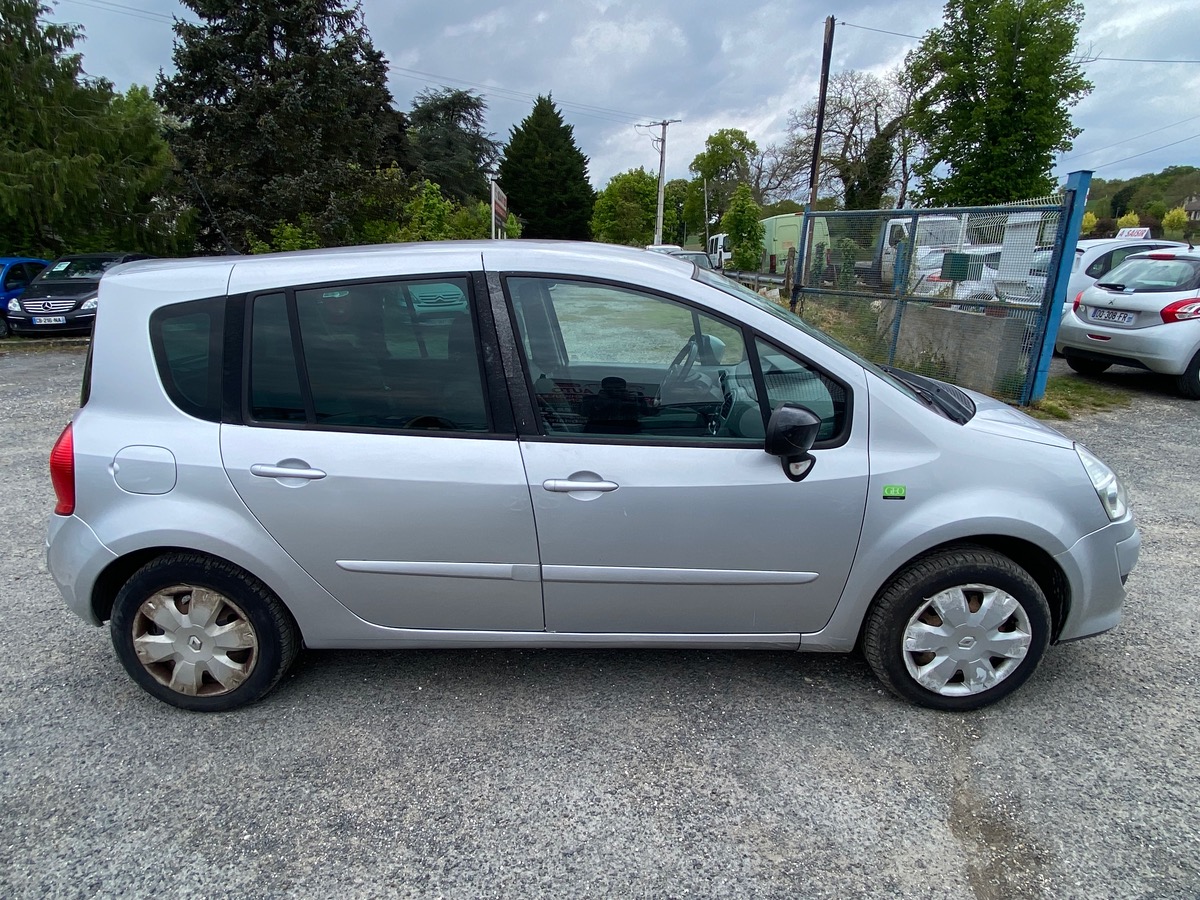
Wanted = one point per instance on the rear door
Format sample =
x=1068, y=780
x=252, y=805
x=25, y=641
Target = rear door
x=378, y=453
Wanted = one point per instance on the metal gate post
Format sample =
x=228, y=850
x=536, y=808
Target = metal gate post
x=1070, y=223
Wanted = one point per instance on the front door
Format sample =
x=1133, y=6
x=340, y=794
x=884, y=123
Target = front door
x=657, y=510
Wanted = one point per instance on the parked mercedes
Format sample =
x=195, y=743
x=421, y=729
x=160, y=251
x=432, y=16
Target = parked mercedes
x=62, y=299
x=605, y=448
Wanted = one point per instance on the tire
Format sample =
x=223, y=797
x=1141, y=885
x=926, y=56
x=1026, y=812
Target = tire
x=1188, y=384
x=234, y=653
x=1087, y=366
x=5, y=331
x=981, y=622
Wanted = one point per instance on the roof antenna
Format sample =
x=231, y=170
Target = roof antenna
x=216, y=224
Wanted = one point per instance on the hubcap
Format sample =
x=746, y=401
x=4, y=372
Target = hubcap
x=194, y=640
x=966, y=639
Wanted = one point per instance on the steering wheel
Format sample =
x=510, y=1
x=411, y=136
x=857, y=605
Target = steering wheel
x=677, y=372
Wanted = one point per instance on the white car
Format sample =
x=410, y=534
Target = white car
x=1144, y=313
x=1096, y=257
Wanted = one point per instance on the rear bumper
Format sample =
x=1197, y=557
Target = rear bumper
x=1165, y=349
x=75, y=558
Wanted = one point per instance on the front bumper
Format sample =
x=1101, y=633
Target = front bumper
x=1097, y=567
x=77, y=322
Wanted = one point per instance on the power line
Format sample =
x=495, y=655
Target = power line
x=1144, y=152
x=1130, y=59
x=879, y=30
x=106, y=6
x=1129, y=140
x=599, y=112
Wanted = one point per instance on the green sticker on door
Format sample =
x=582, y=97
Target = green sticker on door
x=894, y=492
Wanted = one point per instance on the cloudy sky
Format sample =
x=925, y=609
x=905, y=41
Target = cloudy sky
x=614, y=65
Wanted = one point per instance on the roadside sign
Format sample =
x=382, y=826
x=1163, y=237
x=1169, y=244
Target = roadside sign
x=1134, y=233
x=499, y=211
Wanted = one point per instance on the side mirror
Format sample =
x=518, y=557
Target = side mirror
x=791, y=432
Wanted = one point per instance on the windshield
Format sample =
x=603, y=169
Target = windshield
x=1148, y=275
x=934, y=234
x=734, y=289
x=85, y=268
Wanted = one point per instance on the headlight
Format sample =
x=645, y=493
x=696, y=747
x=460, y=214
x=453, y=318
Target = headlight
x=1108, y=486
x=89, y=303
x=14, y=305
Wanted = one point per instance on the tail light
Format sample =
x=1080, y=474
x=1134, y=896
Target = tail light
x=1075, y=305
x=62, y=472
x=1182, y=310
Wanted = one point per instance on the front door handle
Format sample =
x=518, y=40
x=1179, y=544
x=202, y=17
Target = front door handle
x=265, y=471
x=567, y=485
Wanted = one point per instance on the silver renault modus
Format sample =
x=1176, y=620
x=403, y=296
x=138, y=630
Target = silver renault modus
x=582, y=446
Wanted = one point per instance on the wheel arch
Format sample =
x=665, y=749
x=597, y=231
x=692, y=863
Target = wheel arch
x=115, y=575
x=1040, y=565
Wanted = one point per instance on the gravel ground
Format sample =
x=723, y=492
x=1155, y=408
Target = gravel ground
x=568, y=773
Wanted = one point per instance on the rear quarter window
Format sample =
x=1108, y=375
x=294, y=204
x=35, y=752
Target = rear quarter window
x=187, y=340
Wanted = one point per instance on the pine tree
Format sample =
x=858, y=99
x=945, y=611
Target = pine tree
x=451, y=147
x=80, y=167
x=284, y=114
x=545, y=176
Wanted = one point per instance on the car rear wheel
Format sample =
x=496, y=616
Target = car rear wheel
x=957, y=630
x=201, y=634
x=1188, y=384
x=1087, y=366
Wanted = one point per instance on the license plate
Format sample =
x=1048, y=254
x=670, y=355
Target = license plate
x=49, y=320
x=1118, y=316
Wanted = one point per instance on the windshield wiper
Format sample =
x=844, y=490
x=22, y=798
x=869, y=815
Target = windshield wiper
x=1110, y=285
x=935, y=393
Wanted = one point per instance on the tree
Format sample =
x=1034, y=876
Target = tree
x=780, y=171
x=675, y=194
x=720, y=167
x=283, y=112
x=1129, y=220
x=544, y=175
x=626, y=210
x=861, y=142
x=999, y=79
x=450, y=144
x=1089, y=223
x=1175, y=220
x=746, y=231
x=80, y=167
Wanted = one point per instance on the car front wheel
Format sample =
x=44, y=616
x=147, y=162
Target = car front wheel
x=201, y=634
x=958, y=629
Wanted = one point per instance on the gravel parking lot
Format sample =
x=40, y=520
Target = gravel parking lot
x=603, y=773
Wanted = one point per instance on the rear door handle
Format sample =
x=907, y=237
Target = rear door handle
x=265, y=471
x=567, y=486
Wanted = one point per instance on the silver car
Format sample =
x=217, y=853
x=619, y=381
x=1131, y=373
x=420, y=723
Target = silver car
x=1144, y=313
x=607, y=448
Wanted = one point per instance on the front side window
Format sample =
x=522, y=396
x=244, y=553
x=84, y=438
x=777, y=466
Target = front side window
x=394, y=355
x=611, y=360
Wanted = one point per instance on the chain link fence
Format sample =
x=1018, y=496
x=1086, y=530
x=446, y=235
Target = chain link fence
x=964, y=295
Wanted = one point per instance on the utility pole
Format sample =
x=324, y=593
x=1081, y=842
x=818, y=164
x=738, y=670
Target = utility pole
x=814, y=173
x=662, y=165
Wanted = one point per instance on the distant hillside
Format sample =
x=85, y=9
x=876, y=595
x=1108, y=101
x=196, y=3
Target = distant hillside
x=1151, y=194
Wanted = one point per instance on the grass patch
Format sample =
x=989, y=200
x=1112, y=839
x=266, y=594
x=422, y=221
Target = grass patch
x=42, y=344
x=1069, y=395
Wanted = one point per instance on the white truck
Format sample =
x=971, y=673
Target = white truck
x=933, y=234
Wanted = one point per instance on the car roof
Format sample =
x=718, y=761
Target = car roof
x=5, y=260
x=1089, y=243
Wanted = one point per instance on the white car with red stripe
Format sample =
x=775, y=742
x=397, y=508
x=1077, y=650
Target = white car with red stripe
x=1145, y=313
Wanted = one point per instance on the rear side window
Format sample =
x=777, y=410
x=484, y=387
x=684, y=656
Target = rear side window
x=391, y=355
x=187, y=340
